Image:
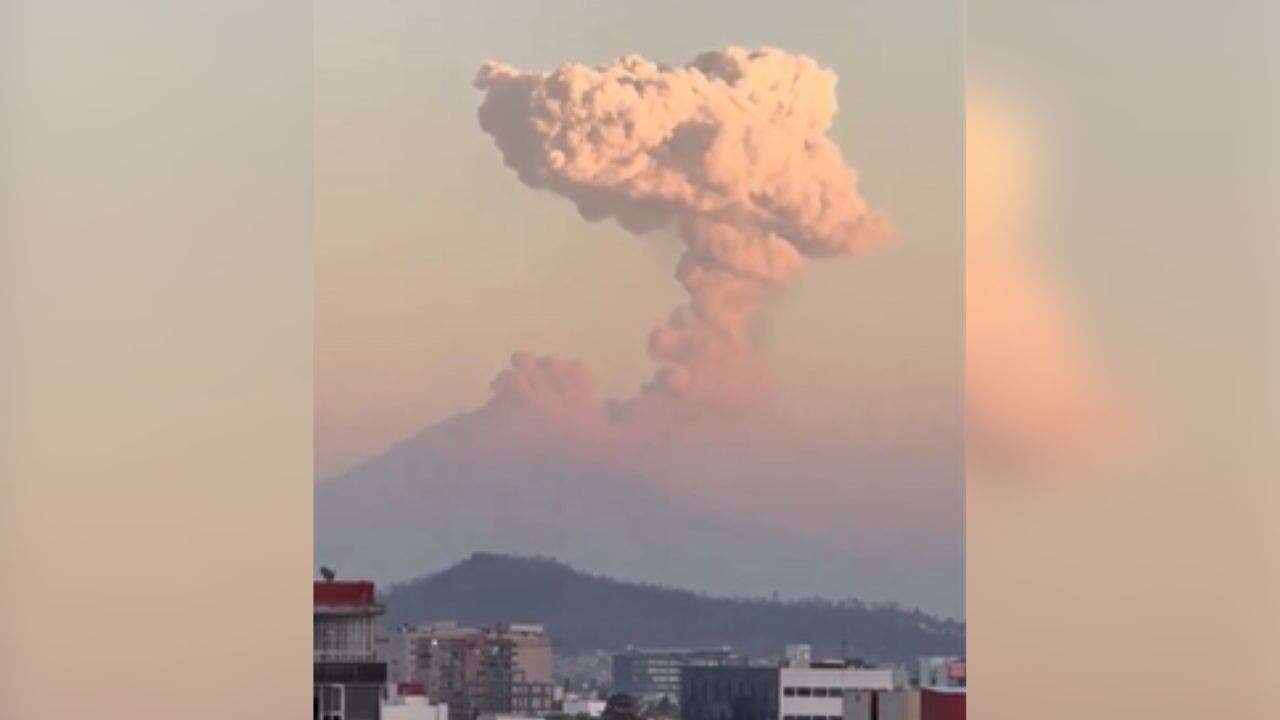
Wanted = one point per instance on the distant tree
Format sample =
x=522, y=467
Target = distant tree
x=621, y=706
x=581, y=614
x=664, y=708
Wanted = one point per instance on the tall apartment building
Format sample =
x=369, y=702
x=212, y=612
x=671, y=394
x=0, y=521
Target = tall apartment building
x=348, y=677
x=446, y=660
x=516, y=670
x=401, y=655
x=501, y=670
x=654, y=673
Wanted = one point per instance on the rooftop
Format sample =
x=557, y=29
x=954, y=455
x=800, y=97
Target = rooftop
x=344, y=596
x=632, y=650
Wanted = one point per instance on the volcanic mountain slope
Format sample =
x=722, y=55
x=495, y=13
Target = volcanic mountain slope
x=473, y=483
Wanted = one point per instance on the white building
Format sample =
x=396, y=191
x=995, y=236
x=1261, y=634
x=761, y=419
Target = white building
x=575, y=705
x=799, y=655
x=942, y=672
x=408, y=702
x=882, y=705
x=816, y=690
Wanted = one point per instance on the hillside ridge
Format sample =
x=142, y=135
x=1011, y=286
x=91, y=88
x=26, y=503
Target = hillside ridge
x=584, y=612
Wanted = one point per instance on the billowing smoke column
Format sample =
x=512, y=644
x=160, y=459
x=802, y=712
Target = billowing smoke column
x=730, y=151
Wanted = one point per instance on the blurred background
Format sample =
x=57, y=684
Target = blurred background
x=1122, y=336
x=155, y=359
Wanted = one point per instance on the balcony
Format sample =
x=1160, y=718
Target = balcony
x=349, y=673
x=344, y=655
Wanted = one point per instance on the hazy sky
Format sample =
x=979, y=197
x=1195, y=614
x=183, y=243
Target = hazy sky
x=1143, y=177
x=434, y=263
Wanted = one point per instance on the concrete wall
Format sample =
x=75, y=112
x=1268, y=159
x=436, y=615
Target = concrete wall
x=900, y=705
x=820, y=692
x=581, y=706
x=415, y=708
x=882, y=705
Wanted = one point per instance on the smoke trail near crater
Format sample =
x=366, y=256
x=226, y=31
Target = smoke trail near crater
x=729, y=151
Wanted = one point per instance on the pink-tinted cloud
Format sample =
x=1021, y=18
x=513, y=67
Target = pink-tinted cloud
x=730, y=151
x=1036, y=394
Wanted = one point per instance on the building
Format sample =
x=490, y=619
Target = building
x=729, y=692
x=515, y=671
x=348, y=677
x=816, y=690
x=902, y=704
x=906, y=704
x=502, y=670
x=399, y=655
x=446, y=660
x=799, y=655
x=942, y=703
x=652, y=674
x=942, y=672
x=799, y=689
x=409, y=702
x=575, y=705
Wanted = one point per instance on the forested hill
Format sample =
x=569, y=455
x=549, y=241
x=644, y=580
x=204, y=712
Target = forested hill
x=586, y=612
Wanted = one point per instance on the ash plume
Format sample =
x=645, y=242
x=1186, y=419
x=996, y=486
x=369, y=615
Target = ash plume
x=730, y=152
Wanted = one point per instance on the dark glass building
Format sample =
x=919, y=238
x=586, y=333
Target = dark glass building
x=729, y=693
x=654, y=673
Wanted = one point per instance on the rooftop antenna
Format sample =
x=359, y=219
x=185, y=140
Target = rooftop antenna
x=328, y=574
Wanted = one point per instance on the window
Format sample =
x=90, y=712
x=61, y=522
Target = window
x=804, y=692
x=789, y=692
x=835, y=692
x=331, y=702
x=819, y=692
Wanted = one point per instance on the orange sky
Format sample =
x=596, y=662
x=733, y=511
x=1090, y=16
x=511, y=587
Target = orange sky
x=434, y=264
